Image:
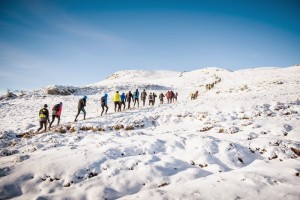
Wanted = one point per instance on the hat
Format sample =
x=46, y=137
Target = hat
x=105, y=95
x=85, y=97
x=60, y=103
x=45, y=106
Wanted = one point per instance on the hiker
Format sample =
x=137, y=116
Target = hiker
x=192, y=96
x=196, y=94
x=81, y=105
x=143, y=97
x=129, y=97
x=44, y=118
x=161, y=98
x=56, y=112
x=151, y=99
x=168, y=95
x=104, y=103
x=117, y=101
x=154, y=96
x=123, y=100
x=136, y=97
x=172, y=96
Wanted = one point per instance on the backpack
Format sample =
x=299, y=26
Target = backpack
x=43, y=113
x=55, y=108
x=143, y=95
x=151, y=97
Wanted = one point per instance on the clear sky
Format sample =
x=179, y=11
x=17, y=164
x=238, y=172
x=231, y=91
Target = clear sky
x=69, y=42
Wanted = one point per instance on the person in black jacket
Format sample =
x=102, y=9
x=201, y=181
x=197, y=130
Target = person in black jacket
x=81, y=105
x=44, y=118
x=143, y=97
x=161, y=98
x=129, y=97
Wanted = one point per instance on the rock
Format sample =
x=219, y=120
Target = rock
x=8, y=96
x=118, y=126
x=163, y=184
x=221, y=130
x=72, y=130
x=296, y=151
x=6, y=152
x=287, y=127
x=233, y=130
x=206, y=128
x=60, y=90
x=129, y=127
x=21, y=158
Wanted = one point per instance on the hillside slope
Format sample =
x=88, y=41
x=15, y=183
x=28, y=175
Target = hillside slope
x=238, y=140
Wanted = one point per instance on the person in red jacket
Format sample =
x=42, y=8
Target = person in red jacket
x=168, y=95
x=56, y=113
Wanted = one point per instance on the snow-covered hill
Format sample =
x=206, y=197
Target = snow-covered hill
x=239, y=140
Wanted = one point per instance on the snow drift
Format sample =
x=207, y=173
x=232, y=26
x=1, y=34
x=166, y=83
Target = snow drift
x=238, y=140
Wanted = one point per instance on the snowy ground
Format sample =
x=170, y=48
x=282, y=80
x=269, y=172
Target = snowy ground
x=236, y=141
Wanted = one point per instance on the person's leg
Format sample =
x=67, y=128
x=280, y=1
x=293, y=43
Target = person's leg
x=106, y=109
x=78, y=112
x=84, y=113
x=58, y=118
x=53, y=117
x=115, y=106
x=102, y=106
x=45, y=124
x=41, y=126
x=119, y=106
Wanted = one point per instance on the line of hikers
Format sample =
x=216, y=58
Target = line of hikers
x=117, y=99
x=120, y=100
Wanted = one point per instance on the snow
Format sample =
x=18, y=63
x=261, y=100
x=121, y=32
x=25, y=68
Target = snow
x=234, y=142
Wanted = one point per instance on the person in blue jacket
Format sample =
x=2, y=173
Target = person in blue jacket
x=123, y=100
x=136, y=95
x=104, y=103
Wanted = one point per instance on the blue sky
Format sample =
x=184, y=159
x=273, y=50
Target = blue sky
x=69, y=42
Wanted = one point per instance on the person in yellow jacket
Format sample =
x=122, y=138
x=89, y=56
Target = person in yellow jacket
x=117, y=101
